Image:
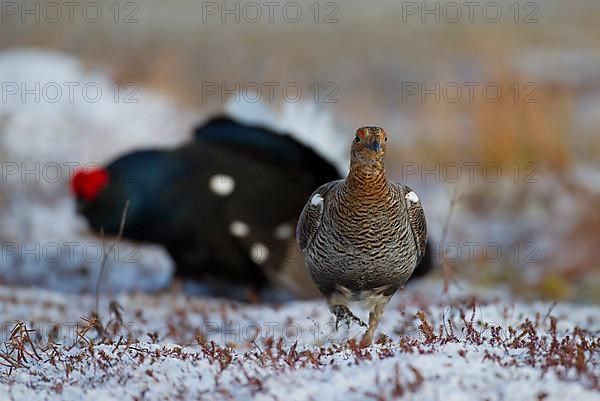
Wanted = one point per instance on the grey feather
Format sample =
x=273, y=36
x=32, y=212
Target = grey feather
x=310, y=218
x=363, y=236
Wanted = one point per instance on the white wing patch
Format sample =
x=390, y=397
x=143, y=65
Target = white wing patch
x=259, y=253
x=316, y=200
x=412, y=196
x=239, y=229
x=283, y=231
x=222, y=184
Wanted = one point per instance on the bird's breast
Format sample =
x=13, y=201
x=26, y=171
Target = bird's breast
x=363, y=244
x=366, y=223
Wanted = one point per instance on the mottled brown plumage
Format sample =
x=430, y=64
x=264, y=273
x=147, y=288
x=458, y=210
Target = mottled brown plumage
x=362, y=236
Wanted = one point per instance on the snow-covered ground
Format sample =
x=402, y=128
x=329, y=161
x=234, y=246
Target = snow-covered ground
x=453, y=347
x=169, y=345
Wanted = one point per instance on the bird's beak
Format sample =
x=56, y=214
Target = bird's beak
x=375, y=146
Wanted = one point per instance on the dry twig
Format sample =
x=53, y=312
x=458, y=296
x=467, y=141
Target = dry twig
x=110, y=250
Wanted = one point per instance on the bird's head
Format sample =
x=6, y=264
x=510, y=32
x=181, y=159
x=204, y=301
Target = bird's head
x=87, y=183
x=101, y=206
x=368, y=148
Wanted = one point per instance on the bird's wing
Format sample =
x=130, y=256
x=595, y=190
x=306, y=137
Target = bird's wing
x=280, y=149
x=310, y=218
x=416, y=219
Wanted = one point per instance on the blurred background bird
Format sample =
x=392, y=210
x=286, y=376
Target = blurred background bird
x=493, y=172
x=224, y=205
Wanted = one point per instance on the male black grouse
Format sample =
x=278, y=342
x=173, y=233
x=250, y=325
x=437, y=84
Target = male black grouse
x=224, y=205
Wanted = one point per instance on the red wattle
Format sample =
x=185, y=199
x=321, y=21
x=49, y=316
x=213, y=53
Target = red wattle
x=87, y=183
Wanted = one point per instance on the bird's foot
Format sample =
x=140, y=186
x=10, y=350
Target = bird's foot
x=342, y=313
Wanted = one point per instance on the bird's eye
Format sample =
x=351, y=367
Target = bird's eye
x=356, y=139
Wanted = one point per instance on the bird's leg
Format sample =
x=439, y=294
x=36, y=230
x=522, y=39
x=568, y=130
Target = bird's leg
x=342, y=313
x=374, y=318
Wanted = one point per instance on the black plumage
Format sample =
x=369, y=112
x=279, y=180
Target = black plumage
x=224, y=205
x=211, y=201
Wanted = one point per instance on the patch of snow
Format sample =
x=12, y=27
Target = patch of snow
x=588, y=176
x=50, y=126
x=243, y=363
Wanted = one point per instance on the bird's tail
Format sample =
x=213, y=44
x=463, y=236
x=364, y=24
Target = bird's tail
x=308, y=124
